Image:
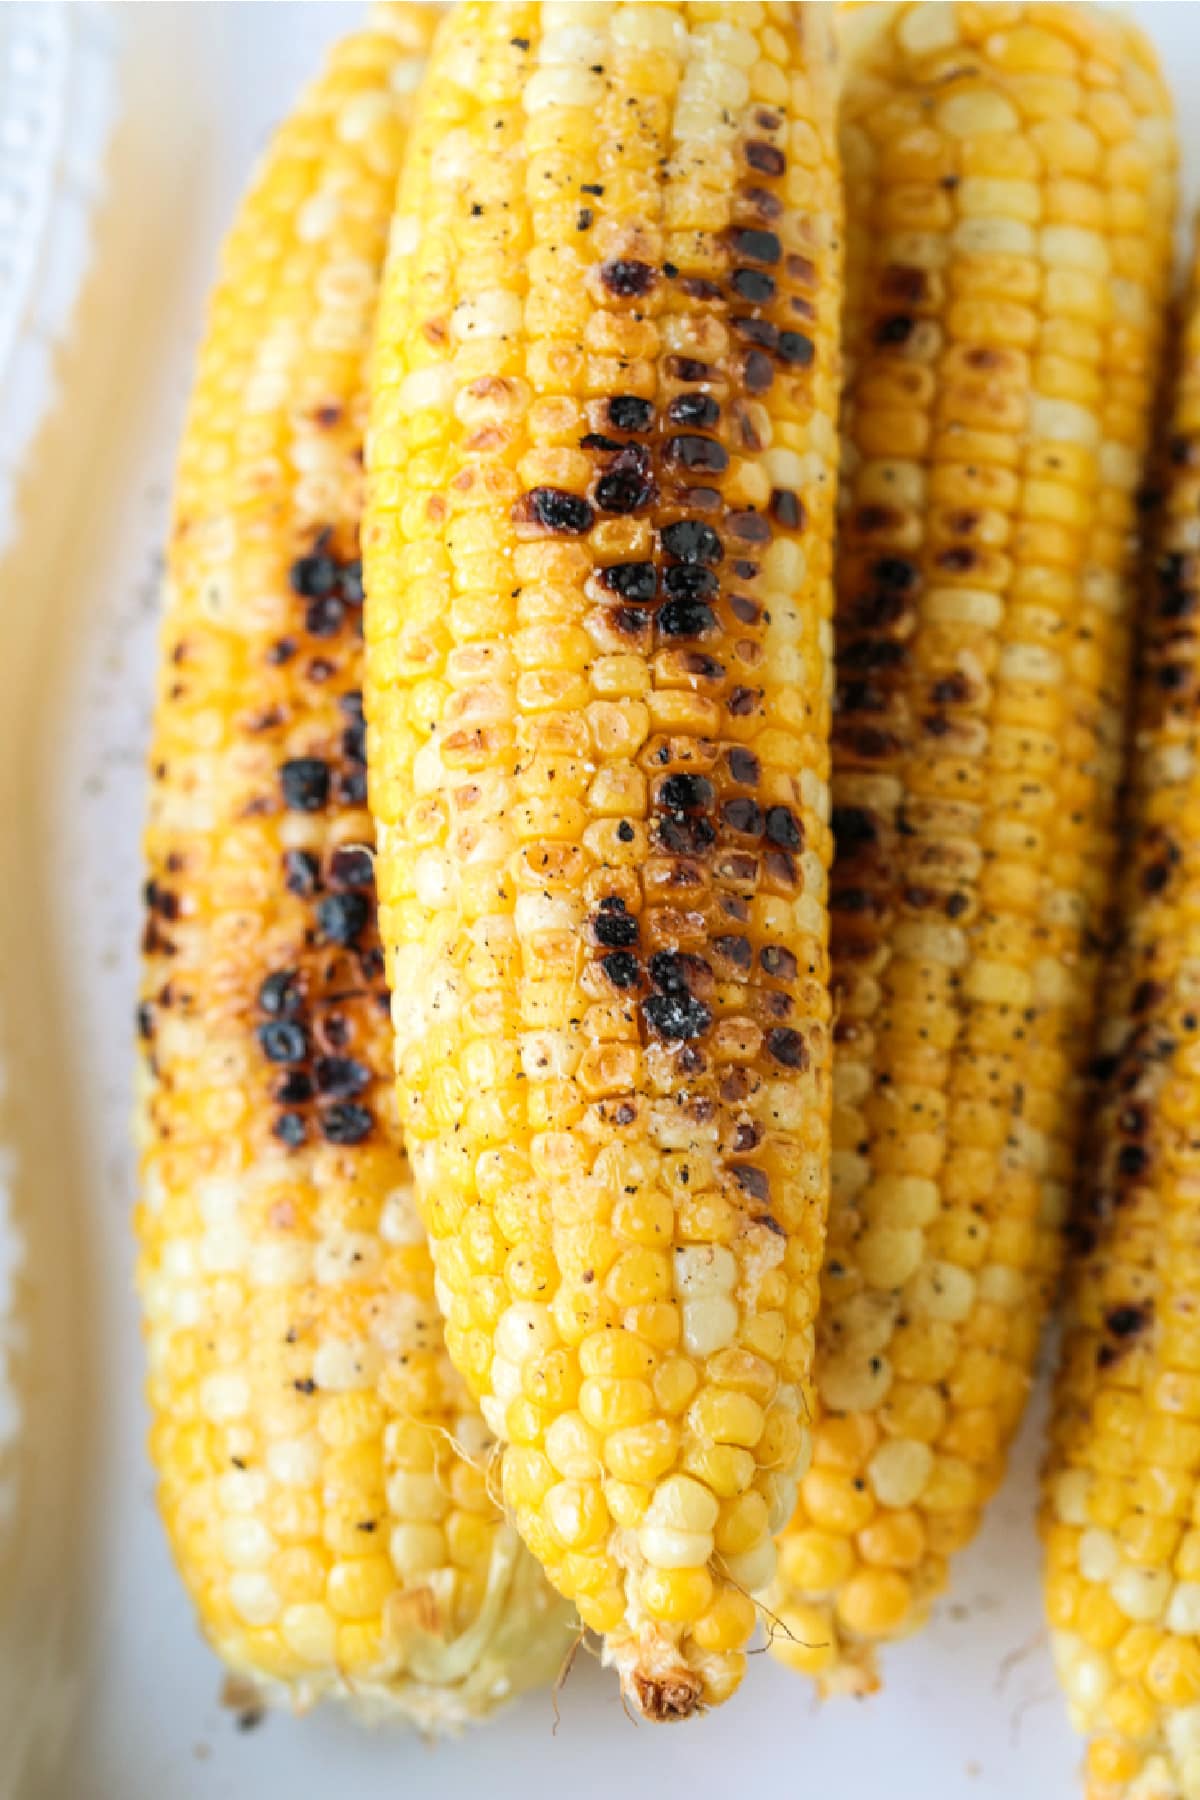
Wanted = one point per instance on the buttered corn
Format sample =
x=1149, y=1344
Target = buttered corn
x=601, y=468
x=1121, y=1501
x=322, y=1471
x=1008, y=174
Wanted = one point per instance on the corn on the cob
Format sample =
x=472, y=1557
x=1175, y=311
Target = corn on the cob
x=321, y=1467
x=1121, y=1503
x=1008, y=205
x=597, y=551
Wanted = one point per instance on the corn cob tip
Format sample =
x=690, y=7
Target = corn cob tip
x=663, y=1688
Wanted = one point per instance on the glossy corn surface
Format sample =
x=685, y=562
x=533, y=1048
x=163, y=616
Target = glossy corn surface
x=1121, y=1503
x=322, y=1473
x=600, y=489
x=1008, y=212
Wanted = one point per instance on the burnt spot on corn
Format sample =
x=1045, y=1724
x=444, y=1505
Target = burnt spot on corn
x=636, y=582
x=628, y=484
x=291, y=1130
x=743, y=816
x=755, y=245
x=692, y=451
x=351, y=866
x=681, y=618
x=342, y=917
x=751, y=1180
x=621, y=968
x=614, y=927
x=301, y=873
x=783, y=828
x=556, y=511
x=281, y=994
x=750, y=329
x=786, y=510
x=686, y=581
x=787, y=1046
x=764, y=158
x=734, y=950
x=340, y=1077
x=754, y=285
x=700, y=410
x=304, y=782
x=345, y=1123
x=691, y=541
x=778, y=962
x=283, y=1041
x=628, y=280
x=629, y=414
x=689, y=369
x=796, y=349
x=675, y=1013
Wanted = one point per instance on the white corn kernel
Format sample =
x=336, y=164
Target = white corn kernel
x=246, y=1543
x=683, y=1504
x=224, y=1395
x=416, y=1549
x=899, y=1470
x=702, y=1269
x=417, y=1498
x=573, y=1447
x=254, y=1597
x=754, y=1569
x=310, y=1632
x=1141, y=1594
x=709, y=1324
x=1099, y=1556
x=296, y=1462
x=668, y=1549
x=525, y=1329
x=1183, y=1609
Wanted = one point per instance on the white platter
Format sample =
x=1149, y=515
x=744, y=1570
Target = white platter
x=116, y=1693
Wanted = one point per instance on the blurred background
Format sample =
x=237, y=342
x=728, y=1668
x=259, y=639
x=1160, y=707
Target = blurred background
x=127, y=135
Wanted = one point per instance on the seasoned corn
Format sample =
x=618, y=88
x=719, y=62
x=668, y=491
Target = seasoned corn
x=597, y=550
x=1121, y=1494
x=322, y=1472
x=1008, y=175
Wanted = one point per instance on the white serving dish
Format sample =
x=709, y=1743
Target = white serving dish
x=119, y=1694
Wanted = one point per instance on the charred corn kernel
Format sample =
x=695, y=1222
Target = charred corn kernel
x=598, y=555
x=1122, y=1482
x=313, y=1443
x=1008, y=236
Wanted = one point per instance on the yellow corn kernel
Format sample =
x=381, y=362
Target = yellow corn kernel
x=728, y=1623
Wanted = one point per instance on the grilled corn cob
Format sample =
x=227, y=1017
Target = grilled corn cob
x=321, y=1468
x=1121, y=1503
x=597, y=550
x=1008, y=204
